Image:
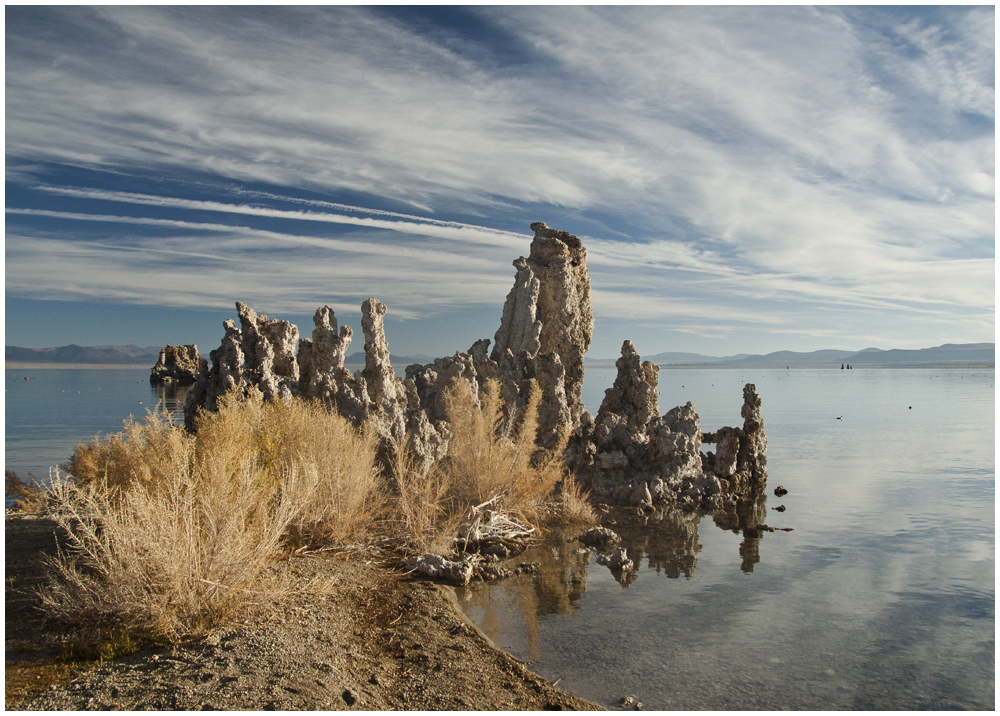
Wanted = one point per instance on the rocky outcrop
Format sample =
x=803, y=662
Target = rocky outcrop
x=559, y=261
x=260, y=354
x=622, y=568
x=600, y=537
x=177, y=365
x=629, y=454
x=435, y=566
x=545, y=331
x=740, y=457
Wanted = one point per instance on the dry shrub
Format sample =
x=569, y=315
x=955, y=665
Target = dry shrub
x=185, y=541
x=493, y=458
x=425, y=522
x=144, y=453
x=573, y=503
x=164, y=562
x=31, y=497
x=302, y=446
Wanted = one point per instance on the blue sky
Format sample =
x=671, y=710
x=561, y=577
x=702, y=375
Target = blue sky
x=745, y=179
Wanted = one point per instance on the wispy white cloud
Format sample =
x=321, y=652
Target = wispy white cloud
x=454, y=231
x=746, y=161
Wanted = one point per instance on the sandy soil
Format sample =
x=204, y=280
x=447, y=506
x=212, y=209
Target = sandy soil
x=375, y=640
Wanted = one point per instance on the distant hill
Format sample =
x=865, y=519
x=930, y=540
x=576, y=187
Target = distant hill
x=140, y=355
x=674, y=358
x=789, y=357
x=948, y=354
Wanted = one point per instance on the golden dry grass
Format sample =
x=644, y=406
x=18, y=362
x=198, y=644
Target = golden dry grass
x=172, y=533
x=31, y=496
x=572, y=504
x=142, y=453
x=421, y=512
x=490, y=458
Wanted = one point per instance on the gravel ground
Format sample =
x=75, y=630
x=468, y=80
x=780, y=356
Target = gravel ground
x=375, y=639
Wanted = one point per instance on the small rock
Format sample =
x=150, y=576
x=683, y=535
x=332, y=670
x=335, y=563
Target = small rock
x=618, y=561
x=350, y=698
x=599, y=536
x=780, y=491
x=779, y=508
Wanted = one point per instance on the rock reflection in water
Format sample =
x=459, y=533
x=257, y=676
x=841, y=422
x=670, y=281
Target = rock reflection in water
x=665, y=540
x=560, y=582
x=748, y=517
x=171, y=397
x=668, y=538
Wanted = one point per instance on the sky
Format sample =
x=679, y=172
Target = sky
x=745, y=179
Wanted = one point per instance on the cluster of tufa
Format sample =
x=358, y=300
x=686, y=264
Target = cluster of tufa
x=178, y=365
x=628, y=454
x=632, y=455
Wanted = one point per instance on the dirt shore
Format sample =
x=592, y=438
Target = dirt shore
x=373, y=639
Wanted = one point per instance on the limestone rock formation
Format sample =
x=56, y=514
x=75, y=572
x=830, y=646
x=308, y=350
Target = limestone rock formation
x=178, y=365
x=629, y=454
x=618, y=561
x=260, y=354
x=435, y=566
x=225, y=374
x=752, y=456
x=559, y=261
x=600, y=537
x=740, y=457
x=622, y=568
x=268, y=346
x=631, y=403
x=546, y=329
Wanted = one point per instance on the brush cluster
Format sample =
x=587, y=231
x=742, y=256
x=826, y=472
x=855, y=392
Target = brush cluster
x=173, y=532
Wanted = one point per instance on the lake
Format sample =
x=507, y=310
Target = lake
x=54, y=409
x=882, y=596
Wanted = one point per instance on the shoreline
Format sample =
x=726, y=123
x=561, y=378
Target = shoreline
x=370, y=638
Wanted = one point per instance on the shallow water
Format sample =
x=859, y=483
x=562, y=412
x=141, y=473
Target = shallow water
x=881, y=598
x=46, y=416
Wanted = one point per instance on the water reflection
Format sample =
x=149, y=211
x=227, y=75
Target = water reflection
x=665, y=541
x=748, y=517
x=171, y=397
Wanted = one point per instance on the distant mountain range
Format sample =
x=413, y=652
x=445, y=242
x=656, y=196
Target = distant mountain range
x=947, y=354
x=112, y=355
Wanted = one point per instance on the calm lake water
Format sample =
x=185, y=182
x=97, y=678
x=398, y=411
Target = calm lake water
x=881, y=598
x=49, y=414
